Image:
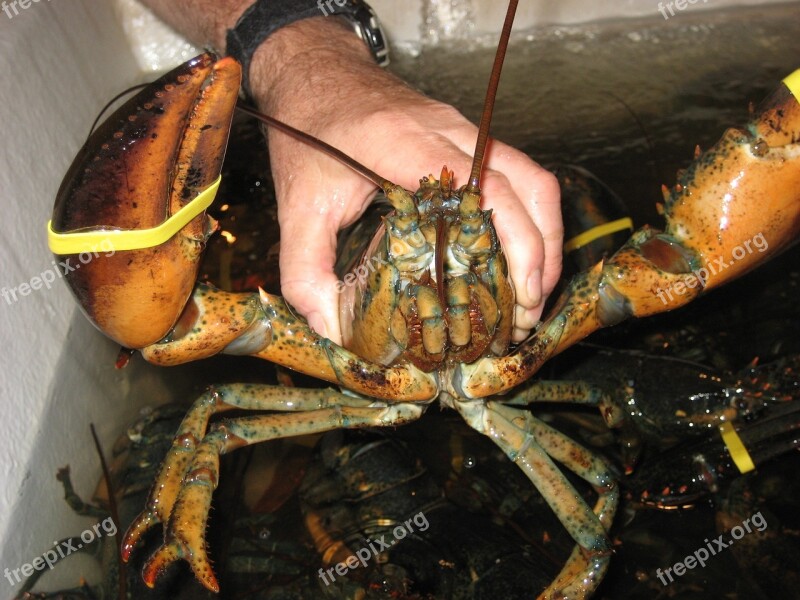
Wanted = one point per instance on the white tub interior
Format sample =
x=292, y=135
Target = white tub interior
x=61, y=62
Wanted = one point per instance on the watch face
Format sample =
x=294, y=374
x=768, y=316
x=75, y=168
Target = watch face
x=368, y=28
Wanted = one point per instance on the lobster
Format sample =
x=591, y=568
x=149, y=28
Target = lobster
x=253, y=555
x=432, y=319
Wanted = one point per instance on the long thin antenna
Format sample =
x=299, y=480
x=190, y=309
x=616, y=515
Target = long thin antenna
x=488, y=105
x=647, y=139
x=312, y=141
x=110, y=103
x=122, y=574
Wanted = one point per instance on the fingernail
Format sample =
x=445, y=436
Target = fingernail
x=534, y=287
x=317, y=323
x=533, y=317
x=519, y=335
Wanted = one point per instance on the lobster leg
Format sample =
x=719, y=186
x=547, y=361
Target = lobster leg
x=735, y=206
x=573, y=392
x=263, y=325
x=530, y=444
x=181, y=494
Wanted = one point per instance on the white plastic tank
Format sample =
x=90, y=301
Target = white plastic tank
x=61, y=61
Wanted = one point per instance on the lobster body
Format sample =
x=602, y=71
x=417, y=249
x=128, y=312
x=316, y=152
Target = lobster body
x=437, y=291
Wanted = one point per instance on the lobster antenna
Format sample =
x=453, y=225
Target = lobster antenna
x=647, y=139
x=122, y=575
x=488, y=105
x=110, y=103
x=316, y=143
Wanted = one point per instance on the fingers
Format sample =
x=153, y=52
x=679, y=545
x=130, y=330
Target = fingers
x=543, y=203
x=308, y=248
x=524, y=198
x=527, y=207
x=523, y=246
x=316, y=197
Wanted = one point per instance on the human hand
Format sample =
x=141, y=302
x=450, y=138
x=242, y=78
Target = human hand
x=326, y=84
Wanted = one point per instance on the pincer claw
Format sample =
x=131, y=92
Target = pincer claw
x=178, y=546
x=141, y=525
x=184, y=533
x=149, y=160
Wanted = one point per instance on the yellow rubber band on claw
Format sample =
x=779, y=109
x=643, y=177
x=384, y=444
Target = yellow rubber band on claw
x=587, y=237
x=739, y=454
x=92, y=240
x=793, y=83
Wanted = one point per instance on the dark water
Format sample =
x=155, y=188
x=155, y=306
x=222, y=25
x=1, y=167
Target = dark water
x=629, y=101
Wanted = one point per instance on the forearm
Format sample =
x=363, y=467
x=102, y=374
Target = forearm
x=297, y=63
x=309, y=67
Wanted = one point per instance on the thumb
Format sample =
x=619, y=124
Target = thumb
x=307, y=255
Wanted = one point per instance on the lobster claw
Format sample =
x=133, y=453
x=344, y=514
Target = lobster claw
x=737, y=205
x=148, y=160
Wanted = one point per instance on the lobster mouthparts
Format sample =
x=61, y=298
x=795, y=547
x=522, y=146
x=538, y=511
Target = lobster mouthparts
x=432, y=288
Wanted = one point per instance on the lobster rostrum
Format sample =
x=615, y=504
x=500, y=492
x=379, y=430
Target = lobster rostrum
x=432, y=321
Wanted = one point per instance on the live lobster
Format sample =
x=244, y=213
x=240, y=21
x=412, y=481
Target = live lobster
x=432, y=321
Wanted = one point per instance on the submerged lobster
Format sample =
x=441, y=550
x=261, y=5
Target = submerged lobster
x=432, y=321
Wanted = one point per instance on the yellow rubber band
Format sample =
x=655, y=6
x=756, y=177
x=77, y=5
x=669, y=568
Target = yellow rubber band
x=733, y=442
x=587, y=237
x=130, y=239
x=793, y=83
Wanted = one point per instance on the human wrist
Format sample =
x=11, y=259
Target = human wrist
x=304, y=60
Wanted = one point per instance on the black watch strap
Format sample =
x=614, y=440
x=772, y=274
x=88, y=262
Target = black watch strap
x=264, y=17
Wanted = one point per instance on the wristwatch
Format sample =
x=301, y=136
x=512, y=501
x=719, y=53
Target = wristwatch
x=264, y=17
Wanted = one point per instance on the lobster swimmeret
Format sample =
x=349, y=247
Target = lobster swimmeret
x=432, y=321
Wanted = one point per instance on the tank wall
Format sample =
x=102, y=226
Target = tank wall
x=60, y=61
x=411, y=23
x=423, y=21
